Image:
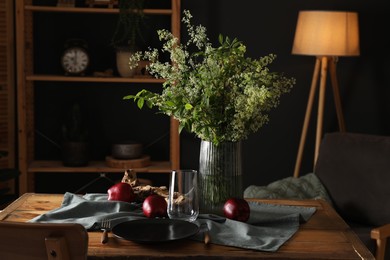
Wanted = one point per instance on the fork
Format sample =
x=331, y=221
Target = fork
x=105, y=226
x=206, y=235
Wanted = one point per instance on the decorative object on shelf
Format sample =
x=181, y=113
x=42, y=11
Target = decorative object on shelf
x=140, y=70
x=75, y=58
x=216, y=93
x=124, y=39
x=123, y=55
x=140, y=162
x=75, y=151
x=122, y=61
x=326, y=35
x=109, y=3
x=127, y=150
x=104, y=74
x=66, y=3
x=127, y=154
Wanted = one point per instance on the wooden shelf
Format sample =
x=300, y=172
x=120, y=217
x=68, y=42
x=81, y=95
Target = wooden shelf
x=93, y=167
x=91, y=10
x=93, y=79
x=26, y=80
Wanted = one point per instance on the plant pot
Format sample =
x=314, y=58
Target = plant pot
x=220, y=175
x=123, y=55
x=75, y=154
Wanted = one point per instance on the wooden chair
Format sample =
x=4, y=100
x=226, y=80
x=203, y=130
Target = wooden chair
x=381, y=234
x=38, y=241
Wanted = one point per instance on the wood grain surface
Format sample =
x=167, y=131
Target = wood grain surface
x=324, y=236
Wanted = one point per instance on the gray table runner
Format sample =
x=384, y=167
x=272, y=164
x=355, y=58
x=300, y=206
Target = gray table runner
x=268, y=227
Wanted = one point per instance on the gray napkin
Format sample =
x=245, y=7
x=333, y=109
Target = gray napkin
x=268, y=227
x=89, y=210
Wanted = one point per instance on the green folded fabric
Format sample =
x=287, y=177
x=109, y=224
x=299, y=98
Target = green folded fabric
x=89, y=210
x=307, y=186
x=268, y=227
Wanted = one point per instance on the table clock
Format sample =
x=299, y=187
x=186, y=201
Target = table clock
x=75, y=58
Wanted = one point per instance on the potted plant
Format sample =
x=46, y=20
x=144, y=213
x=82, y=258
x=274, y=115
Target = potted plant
x=217, y=93
x=127, y=28
x=74, y=145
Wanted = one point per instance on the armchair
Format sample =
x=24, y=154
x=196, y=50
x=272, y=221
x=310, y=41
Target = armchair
x=352, y=172
x=355, y=171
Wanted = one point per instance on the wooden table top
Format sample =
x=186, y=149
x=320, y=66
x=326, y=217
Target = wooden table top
x=324, y=236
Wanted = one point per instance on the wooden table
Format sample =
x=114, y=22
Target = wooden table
x=324, y=236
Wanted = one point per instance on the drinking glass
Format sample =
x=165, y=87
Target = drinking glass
x=183, y=202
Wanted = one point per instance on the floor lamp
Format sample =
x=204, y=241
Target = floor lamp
x=325, y=35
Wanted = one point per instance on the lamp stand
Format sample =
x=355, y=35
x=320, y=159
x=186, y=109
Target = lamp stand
x=322, y=65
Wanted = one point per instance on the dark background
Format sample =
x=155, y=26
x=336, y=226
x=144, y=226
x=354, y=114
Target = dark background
x=265, y=27
x=269, y=27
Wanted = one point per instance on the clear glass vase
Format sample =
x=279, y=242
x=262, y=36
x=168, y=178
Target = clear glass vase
x=220, y=175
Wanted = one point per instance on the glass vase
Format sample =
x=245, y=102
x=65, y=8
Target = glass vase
x=220, y=175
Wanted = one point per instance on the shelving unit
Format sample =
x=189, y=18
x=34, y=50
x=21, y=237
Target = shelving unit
x=26, y=81
x=7, y=93
x=7, y=84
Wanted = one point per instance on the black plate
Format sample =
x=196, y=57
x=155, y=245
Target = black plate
x=155, y=230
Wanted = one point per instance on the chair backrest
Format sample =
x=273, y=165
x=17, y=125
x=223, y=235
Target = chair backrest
x=355, y=170
x=38, y=241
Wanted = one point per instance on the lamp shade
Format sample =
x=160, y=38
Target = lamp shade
x=327, y=33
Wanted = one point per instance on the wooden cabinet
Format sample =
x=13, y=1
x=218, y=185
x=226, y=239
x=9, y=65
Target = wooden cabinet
x=31, y=73
x=7, y=96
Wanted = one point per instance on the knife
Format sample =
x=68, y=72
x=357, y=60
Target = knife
x=205, y=229
x=212, y=217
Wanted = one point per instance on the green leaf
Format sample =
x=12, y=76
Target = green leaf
x=170, y=103
x=129, y=97
x=220, y=38
x=215, y=92
x=140, y=102
x=149, y=104
x=188, y=106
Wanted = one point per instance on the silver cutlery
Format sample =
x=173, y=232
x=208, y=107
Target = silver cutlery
x=205, y=229
x=105, y=226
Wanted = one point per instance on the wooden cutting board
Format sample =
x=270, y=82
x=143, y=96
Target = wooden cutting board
x=128, y=164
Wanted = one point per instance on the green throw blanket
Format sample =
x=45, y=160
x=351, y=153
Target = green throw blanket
x=304, y=187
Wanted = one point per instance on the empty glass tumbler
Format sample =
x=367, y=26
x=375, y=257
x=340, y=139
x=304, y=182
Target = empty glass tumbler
x=183, y=202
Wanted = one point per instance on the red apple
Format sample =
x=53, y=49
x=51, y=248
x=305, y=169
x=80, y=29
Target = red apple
x=236, y=209
x=154, y=206
x=121, y=191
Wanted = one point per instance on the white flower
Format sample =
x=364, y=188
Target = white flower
x=215, y=92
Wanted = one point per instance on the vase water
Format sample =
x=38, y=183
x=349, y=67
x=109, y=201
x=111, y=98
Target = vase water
x=220, y=175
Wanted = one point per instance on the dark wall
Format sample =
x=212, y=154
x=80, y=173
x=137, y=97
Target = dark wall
x=268, y=27
x=265, y=27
